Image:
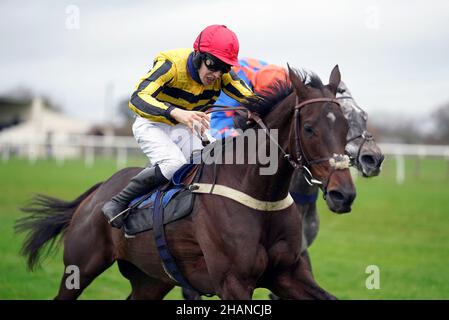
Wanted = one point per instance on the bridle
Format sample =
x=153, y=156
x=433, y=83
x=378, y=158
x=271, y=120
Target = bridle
x=365, y=135
x=299, y=160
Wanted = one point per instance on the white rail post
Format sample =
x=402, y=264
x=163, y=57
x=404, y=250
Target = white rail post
x=89, y=157
x=122, y=155
x=421, y=155
x=400, y=168
x=6, y=153
x=60, y=156
x=446, y=156
x=32, y=152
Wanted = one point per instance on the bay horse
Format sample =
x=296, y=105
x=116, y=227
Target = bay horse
x=223, y=247
x=365, y=155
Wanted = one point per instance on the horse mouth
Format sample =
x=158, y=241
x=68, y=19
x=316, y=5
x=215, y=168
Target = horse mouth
x=370, y=164
x=340, y=202
x=341, y=210
x=370, y=172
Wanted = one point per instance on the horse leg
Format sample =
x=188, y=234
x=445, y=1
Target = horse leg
x=88, y=251
x=306, y=257
x=143, y=286
x=307, y=261
x=299, y=284
x=234, y=288
x=87, y=273
x=231, y=279
x=87, y=269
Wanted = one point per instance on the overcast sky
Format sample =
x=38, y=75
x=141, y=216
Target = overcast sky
x=393, y=55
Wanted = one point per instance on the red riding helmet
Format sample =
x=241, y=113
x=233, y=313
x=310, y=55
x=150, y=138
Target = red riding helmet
x=220, y=42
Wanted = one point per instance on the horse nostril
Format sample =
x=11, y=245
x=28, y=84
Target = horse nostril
x=336, y=196
x=368, y=159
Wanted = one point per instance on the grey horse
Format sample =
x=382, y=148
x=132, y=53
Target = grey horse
x=361, y=148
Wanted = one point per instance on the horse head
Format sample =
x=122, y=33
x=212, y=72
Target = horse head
x=365, y=154
x=318, y=139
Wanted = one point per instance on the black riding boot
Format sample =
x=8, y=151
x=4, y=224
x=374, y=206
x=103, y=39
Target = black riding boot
x=145, y=181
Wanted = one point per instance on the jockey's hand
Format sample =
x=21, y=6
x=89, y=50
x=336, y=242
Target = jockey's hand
x=188, y=118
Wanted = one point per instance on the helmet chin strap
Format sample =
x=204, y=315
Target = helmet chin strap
x=198, y=56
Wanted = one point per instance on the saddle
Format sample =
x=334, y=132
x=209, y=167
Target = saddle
x=177, y=201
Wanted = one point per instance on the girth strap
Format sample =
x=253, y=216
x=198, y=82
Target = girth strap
x=168, y=262
x=241, y=197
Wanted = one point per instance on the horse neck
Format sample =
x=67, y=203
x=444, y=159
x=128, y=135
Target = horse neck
x=273, y=187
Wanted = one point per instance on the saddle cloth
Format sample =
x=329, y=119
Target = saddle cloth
x=177, y=202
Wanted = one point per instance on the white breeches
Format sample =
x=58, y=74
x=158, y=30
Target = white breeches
x=165, y=145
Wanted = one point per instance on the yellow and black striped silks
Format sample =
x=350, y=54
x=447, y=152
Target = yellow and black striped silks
x=170, y=82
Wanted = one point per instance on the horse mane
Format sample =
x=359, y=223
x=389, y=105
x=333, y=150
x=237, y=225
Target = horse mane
x=266, y=101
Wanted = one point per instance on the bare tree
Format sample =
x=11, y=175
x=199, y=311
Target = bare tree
x=126, y=116
x=441, y=118
x=389, y=127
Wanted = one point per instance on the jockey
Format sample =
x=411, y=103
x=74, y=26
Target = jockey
x=260, y=77
x=168, y=102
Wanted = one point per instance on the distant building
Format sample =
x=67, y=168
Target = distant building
x=30, y=126
x=14, y=111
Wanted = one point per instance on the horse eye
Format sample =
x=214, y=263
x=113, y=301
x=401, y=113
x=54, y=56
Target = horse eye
x=308, y=129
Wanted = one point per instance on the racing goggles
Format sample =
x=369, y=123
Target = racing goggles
x=214, y=64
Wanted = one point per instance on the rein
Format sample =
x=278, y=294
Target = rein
x=300, y=160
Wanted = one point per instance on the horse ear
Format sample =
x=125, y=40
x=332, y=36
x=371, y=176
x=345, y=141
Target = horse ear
x=298, y=86
x=334, y=79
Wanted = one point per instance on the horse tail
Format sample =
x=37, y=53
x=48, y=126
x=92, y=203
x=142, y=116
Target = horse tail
x=48, y=218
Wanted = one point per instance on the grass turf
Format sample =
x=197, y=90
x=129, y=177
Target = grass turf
x=402, y=229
